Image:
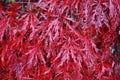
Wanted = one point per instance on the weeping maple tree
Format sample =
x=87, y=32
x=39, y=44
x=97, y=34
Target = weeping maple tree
x=60, y=40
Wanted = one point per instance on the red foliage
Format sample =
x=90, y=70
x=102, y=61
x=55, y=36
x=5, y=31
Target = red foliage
x=60, y=40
